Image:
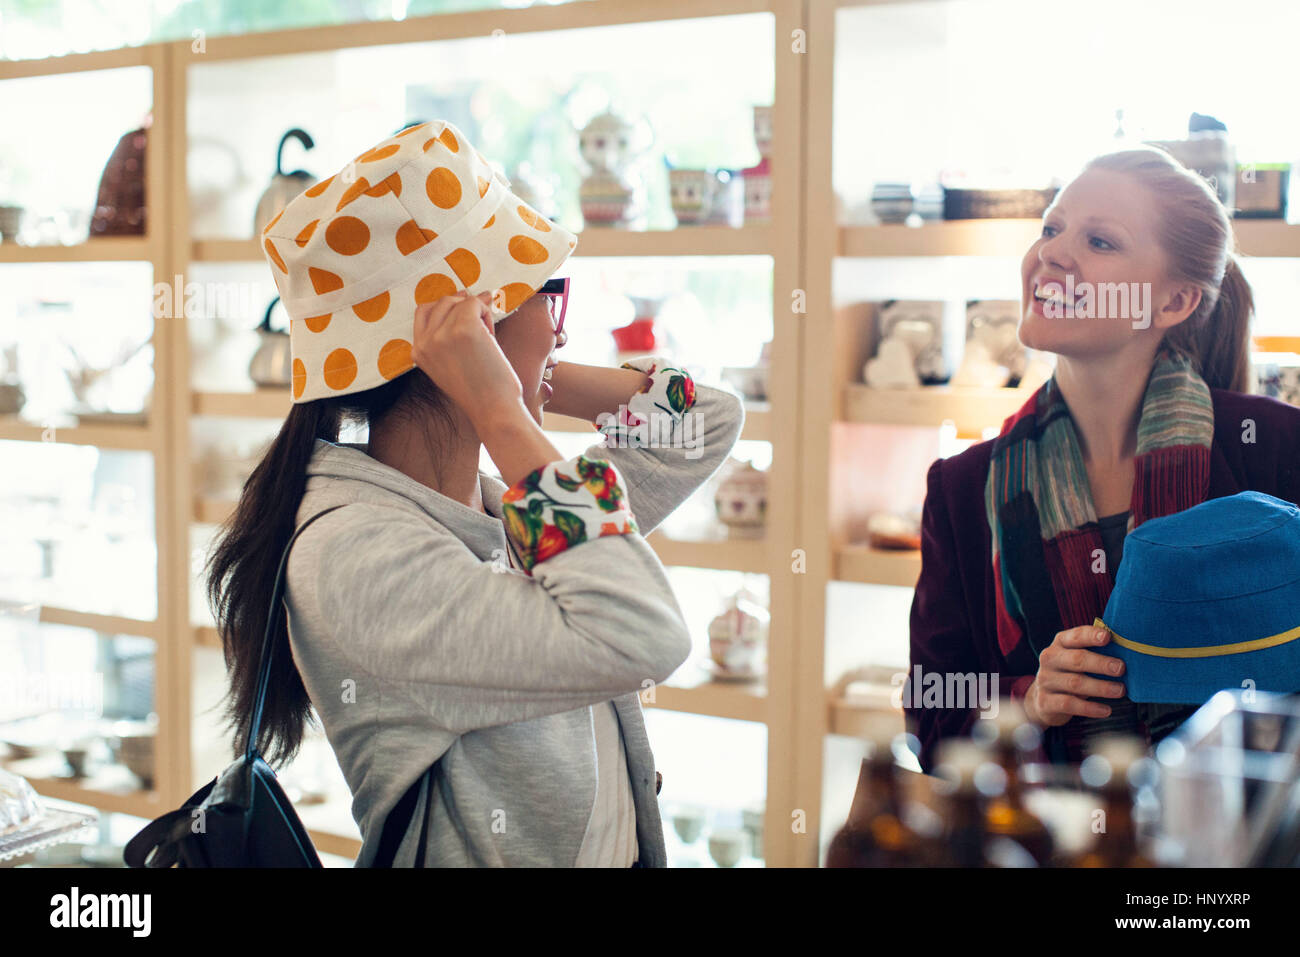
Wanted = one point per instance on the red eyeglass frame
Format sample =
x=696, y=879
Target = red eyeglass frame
x=554, y=289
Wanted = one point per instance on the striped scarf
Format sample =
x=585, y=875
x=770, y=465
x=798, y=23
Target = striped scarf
x=1048, y=559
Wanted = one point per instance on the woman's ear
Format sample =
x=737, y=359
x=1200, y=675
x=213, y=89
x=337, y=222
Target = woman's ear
x=1180, y=302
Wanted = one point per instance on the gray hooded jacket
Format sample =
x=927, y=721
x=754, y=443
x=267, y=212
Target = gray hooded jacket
x=419, y=644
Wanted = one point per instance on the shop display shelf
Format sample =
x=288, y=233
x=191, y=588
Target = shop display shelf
x=741, y=555
x=877, y=566
x=1011, y=237
x=128, y=437
x=104, y=624
x=101, y=249
x=970, y=410
x=331, y=827
x=254, y=404
x=859, y=695
x=693, y=691
x=111, y=788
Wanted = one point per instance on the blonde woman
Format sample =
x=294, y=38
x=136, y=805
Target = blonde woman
x=1145, y=416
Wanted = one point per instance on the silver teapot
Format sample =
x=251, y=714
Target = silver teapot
x=284, y=186
x=272, y=364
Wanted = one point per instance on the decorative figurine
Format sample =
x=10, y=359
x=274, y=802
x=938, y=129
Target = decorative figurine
x=741, y=500
x=611, y=195
x=758, y=179
x=738, y=638
x=691, y=194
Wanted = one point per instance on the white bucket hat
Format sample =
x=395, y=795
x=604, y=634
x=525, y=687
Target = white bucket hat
x=419, y=216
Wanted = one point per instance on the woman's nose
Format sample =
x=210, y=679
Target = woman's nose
x=561, y=338
x=1054, y=252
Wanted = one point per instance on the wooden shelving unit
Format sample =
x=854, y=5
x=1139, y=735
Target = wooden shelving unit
x=1011, y=237
x=970, y=410
x=103, y=249
x=112, y=788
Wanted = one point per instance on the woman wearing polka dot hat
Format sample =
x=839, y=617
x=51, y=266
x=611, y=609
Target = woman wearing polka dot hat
x=494, y=630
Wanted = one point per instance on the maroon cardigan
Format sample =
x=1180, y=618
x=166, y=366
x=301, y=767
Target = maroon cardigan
x=953, y=628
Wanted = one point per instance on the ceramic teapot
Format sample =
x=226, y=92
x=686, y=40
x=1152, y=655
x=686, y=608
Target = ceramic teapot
x=741, y=500
x=272, y=364
x=284, y=186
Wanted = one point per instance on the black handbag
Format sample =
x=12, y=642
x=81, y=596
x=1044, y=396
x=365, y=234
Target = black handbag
x=242, y=817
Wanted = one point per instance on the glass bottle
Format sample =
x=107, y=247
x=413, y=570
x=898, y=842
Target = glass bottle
x=1108, y=770
x=876, y=833
x=1013, y=737
x=963, y=837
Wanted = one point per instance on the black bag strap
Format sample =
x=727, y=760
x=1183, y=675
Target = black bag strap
x=400, y=817
x=268, y=650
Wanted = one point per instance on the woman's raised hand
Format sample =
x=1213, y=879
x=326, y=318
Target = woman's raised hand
x=455, y=345
x=1064, y=683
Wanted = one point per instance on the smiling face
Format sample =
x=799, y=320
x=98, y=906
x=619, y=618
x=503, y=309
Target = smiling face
x=1100, y=238
x=527, y=337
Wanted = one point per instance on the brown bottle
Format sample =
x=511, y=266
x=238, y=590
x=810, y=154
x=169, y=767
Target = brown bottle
x=1005, y=815
x=876, y=835
x=1113, y=755
x=966, y=840
x=961, y=842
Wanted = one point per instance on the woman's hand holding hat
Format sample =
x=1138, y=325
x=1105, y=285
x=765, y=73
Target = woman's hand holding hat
x=455, y=345
x=1064, y=683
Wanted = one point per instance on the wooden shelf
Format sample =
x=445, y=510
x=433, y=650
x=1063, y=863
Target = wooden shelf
x=461, y=25
x=758, y=422
x=753, y=240
x=211, y=511
x=849, y=716
x=111, y=787
x=331, y=827
x=104, y=249
x=741, y=555
x=128, y=437
x=1267, y=238
x=970, y=410
x=877, y=566
x=258, y=404
x=1011, y=237
x=967, y=237
x=693, y=691
x=105, y=624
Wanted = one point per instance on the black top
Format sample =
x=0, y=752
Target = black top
x=1113, y=529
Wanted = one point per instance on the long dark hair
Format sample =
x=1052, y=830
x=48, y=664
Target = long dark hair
x=1196, y=232
x=241, y=569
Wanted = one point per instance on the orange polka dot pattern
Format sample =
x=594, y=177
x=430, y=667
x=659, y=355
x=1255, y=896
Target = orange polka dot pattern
x=416, y=217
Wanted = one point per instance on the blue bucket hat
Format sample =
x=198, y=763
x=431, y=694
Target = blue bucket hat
x=1207, y=599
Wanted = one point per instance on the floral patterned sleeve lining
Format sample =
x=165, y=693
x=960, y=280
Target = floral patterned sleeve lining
x=655, y=413
x=563, y=504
